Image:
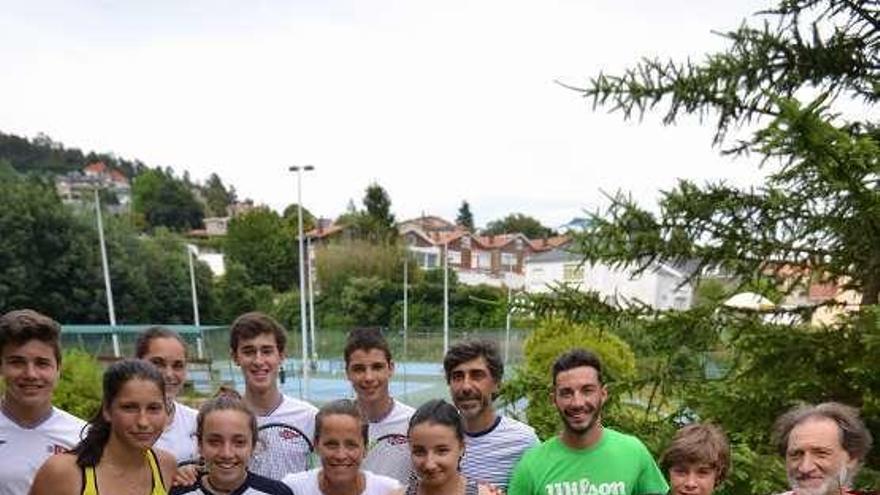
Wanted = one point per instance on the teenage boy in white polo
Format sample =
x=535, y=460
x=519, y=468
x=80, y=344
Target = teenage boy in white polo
x=31, y=429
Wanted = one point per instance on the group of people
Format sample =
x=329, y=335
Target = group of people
x=142, y=440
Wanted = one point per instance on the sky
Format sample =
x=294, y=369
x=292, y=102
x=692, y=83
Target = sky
x=438, y=102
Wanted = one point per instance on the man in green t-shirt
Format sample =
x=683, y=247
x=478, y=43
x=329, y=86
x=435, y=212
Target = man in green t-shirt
x=586, y=458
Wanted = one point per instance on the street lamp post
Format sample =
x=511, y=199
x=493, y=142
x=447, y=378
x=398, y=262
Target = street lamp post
x=309, y=255
x=405, y=314
x=192, y=251
x=111, y=310
x=302, y=280
x=507, y=319
x=445, y=297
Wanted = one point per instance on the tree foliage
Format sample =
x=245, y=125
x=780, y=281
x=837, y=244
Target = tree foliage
x=553, y=337
x=48, y=257
x=44, y=156
x=50, y=261
x=291, y=217
x=814, y=219
x=816, y=210
x=160, y=200
x=465, y=218
x=266, y=246
x=375, y=223
x=79, y=388
x=217, y=196
x=518, y=222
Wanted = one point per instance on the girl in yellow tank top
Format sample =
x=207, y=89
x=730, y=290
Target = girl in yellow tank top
x=132, y=416
x=90, y=483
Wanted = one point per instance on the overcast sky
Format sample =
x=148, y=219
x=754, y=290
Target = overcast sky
x=438, y=101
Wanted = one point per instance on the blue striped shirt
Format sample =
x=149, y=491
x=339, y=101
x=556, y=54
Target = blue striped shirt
x=489, y=456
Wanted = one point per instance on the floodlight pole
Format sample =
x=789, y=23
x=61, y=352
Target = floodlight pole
x=111, y=310
x=302, y=281
x=405, y=314
x=191, y=251
x=445, y=297
x=309, y=253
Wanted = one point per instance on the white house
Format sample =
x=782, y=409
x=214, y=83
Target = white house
x=660, y=287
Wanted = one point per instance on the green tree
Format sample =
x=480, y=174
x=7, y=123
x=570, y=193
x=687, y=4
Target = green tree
x=465, y=218
x=518, y=222
x=235, y=293
x=816, y=209
x=48, y=258
x=217, y=197
x=158, y=199
x=290, y=216
x=266, y=246
x=376, y=222
x=787, y=82
x=367, y=301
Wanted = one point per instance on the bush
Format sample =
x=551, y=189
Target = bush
x=79, y=389
x=533, y=381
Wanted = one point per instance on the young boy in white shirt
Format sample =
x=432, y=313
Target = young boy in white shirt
x=31, y=428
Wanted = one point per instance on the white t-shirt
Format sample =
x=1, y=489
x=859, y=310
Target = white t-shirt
x=396, y=422
x=293, y=457
x=306, y=483
x=23, y=450
x=489, y=456
x=294, y=412
x=179, y=437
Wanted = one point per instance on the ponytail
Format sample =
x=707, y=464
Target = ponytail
x=89, y=450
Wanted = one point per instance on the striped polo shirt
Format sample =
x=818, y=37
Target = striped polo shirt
x=490, y=455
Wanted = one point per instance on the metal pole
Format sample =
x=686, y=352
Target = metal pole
x=111, y=310
x=191, y=253
x=405, y=300
x=310, y=257
x=445, y=297
x=302, y=281
x=507, y=327
x=191, y=250
x=405, y=314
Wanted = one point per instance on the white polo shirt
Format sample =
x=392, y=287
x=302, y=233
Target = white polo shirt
x=23, y=450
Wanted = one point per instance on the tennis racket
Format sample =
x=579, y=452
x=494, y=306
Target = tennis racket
x=390, y=456
x=281, y=449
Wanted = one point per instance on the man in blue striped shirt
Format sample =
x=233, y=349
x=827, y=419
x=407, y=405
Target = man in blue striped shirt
x=493, y=443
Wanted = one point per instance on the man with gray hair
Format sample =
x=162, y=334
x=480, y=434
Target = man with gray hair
x=824, y=446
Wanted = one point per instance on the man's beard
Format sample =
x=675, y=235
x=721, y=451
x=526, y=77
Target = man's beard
x=469, y=413
x=583, y=430
x=833, y=484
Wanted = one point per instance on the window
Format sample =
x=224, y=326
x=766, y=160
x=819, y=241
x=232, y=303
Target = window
x=508, y=260
x=482, y=260
x=430, y=260
x=454, y=257
x=572, y=272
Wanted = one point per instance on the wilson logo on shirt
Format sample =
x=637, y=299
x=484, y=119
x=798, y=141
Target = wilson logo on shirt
x=584, y=487
x=288, y=434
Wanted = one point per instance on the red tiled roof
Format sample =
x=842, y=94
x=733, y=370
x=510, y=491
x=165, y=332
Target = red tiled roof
x=321, y=233
x=446, y=237
x=97, y=167
x=549, y=242
x=497, y=241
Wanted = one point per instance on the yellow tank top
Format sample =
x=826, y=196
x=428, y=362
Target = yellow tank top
x=90, y=484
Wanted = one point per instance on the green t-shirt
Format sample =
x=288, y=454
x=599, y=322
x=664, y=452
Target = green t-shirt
x=618, y=464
